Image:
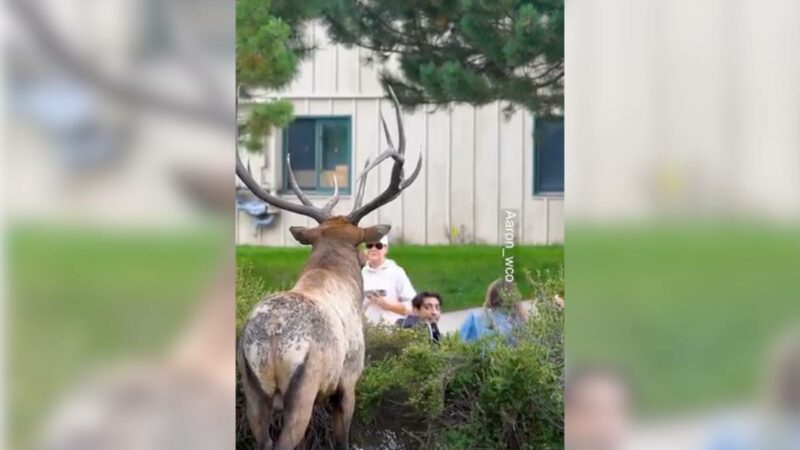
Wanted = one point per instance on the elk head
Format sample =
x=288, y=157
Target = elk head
x=343, y=229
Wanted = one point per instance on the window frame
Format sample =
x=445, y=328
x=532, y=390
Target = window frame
x=537, y=192
x=318, y=120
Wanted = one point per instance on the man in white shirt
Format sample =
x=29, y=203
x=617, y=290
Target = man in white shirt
x=387, y=289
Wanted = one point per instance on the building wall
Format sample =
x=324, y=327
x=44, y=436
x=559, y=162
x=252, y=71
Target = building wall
x=476, y=161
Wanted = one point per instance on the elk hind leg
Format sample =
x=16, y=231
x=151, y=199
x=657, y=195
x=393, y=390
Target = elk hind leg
x=298, y=407
x=344, y=404
x=257, y=404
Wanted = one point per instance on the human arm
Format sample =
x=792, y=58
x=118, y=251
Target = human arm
x=468, y=330
x=368, y=299
x=405, y=291
x=395, y=306
x=522, y=311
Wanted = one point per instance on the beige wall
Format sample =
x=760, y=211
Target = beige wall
x=476, y=161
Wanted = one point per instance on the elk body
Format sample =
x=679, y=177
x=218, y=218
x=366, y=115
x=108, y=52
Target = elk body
x=307, y=344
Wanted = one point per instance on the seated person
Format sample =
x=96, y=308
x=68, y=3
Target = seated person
x=387, y=289
x=426, y=309
x=502, y=310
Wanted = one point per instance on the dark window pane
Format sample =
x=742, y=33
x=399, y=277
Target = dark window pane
x=301, y=140
x=335, y=153
x=549, y=155
x=320, y=152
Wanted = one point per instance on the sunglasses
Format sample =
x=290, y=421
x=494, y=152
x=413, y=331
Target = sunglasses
x=377, y=245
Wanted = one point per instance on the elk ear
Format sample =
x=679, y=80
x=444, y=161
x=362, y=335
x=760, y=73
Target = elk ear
x=374, y=234
x=303, y=235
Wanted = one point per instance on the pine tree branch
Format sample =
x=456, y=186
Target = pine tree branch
x=123, y=89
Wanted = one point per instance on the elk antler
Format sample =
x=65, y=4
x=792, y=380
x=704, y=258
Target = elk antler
x=396, y=183
x=306, y=209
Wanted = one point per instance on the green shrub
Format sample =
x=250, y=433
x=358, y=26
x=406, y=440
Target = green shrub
x=486, y=395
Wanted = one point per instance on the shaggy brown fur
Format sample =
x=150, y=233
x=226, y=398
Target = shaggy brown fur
x=308, y=343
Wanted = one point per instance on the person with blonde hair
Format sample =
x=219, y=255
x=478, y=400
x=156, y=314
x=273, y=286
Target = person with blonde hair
x=502, y=310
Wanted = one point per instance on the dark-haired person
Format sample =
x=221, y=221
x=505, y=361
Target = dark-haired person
x=387, y=289
x=426, y=310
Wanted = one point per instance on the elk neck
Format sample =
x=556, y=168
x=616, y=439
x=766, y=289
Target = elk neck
x=330, y=259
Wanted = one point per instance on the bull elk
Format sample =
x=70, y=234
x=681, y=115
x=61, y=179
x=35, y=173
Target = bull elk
x=307, y=344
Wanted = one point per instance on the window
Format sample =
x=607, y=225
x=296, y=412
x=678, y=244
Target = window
x=548, y=156
x=319, y=148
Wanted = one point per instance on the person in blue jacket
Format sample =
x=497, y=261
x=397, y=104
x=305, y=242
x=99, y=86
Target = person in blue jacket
x=502, y=311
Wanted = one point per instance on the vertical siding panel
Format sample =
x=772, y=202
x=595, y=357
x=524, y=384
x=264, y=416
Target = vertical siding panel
x=527, y=178
x=254, y=162
x=347, y=108
x=318, y=107
x=359, y=69
x=426, y=171
x=303, y=83
x=547, y=219
x=268, y=236
x=414, y=197
x=486, y=214
x=555, y=218
x=311, y=107
x=370, y=83
x=288, y=219
x=462, y=168
x=248, y=230
x=300, y=106
x=241, y=232
x=275, y=234
x=259, y=164
x=336, y=68
x=313, y=58
x=272, y=157
x=392, y=213
x=438, y=185
x=324, y=62
x=535, y=222
x=499, y=166
x=510, y=162
x=241, y=238
x=449, y=180
x=354, y=149
x=366, y=145
x=236, y=224
x=348, y=69
x=474, y=173
x=273, y=161
x=376, y=172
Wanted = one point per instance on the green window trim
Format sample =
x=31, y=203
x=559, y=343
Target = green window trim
x=319, y=123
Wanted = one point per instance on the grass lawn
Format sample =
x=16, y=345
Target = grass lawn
x=460, y=273
x=689, y=312
x=85, y=298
